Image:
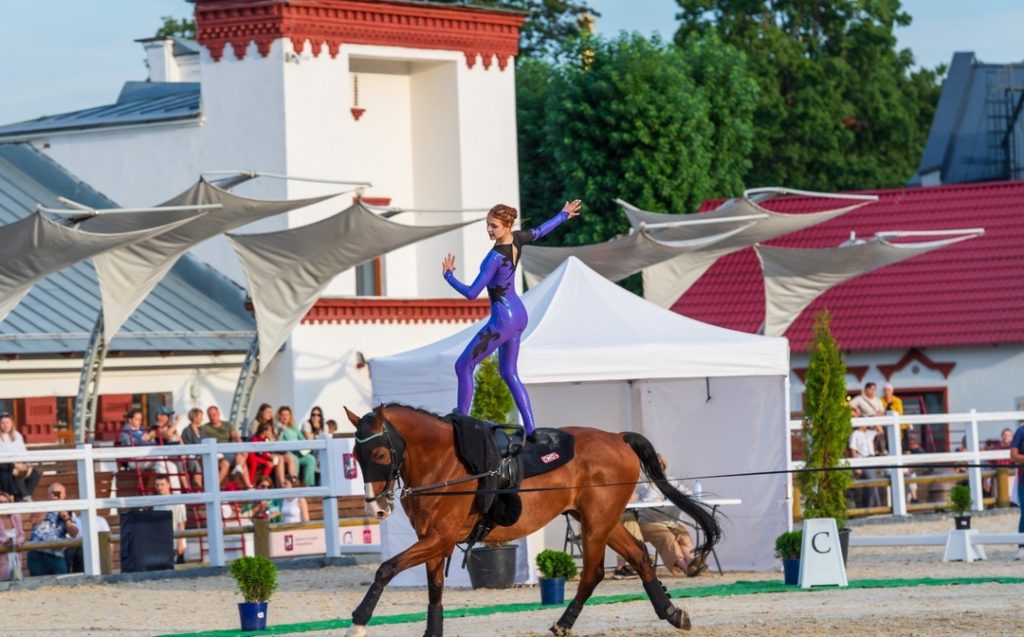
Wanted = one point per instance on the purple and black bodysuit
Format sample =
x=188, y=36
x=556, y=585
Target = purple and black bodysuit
x=508, y=318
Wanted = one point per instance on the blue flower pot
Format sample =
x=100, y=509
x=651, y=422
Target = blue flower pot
x=552, y=591
x=253, y=615
x=791, y=569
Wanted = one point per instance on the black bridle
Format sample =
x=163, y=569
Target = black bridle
x=387, y=437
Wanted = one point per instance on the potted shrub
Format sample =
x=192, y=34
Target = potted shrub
x=555, y=567
x=826, y=431
x=256, y=578
x=960, y=504
x=787, y=549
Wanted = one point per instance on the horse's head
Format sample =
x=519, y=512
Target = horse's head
x=380, y=451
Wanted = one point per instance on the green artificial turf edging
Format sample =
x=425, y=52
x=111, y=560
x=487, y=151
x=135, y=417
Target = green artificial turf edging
x=723, y=590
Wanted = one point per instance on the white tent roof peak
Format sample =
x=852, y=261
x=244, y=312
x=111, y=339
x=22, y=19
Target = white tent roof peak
x=586, y=328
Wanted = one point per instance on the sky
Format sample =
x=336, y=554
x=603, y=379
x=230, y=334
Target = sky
x=58, y=56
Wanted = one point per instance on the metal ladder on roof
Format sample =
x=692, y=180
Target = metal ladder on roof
x=89, y=383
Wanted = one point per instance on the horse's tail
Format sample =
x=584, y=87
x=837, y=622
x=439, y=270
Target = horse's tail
x=701, y=514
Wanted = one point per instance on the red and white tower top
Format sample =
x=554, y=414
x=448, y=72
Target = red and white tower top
x=491, y=34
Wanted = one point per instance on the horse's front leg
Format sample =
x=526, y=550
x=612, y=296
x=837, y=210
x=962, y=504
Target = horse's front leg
x=435, y=587
x=422, y=551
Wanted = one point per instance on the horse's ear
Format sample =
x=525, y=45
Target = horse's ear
x=378, y=417
x=352, y=418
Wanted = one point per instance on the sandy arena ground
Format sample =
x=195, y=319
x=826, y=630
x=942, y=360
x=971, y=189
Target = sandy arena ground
x=208, y=603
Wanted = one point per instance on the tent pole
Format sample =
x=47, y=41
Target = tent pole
x=84, y=421
x=247, y=378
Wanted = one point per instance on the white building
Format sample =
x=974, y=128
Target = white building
x=418, y=99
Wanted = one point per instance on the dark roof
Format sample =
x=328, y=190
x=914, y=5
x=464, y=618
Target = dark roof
x=970, y=293
x=977, y=133
x=193, y=297
x=138, y=103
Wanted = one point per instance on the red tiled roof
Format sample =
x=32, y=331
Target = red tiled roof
x=970, y=293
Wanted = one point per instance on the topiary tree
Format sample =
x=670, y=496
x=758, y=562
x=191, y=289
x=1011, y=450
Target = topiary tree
x=827, y=427
x=491, y=399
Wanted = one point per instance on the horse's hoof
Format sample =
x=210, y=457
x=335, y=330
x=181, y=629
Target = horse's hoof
x=356, y=631
x=679, y=618
x=561, y=631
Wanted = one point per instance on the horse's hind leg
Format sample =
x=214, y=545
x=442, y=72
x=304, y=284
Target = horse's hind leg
x=595, y=534
x=435, y=588
x=635, y=553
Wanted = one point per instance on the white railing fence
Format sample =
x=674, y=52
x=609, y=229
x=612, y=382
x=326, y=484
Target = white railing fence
x=330, y=453
x=973, y=455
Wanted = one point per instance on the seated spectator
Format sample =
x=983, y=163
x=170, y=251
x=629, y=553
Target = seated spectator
x=263, y=463
x=18, y=479
x=265, y=414
x=305, y=460
x=315, y=426
x=223, y=431
x=662, y=527
x=166, y=428
x=192, y=435
x=133, y=434
x=12, y=533
x=50, y=527
x=293, y=509
x=332, y=427
x=269, y=510
x=163, y=487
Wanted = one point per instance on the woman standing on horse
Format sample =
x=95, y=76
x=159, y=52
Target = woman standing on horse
x=508, y=316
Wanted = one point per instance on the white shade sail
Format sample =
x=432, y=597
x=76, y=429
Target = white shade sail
x=794, y=278
x=288, y=270
x=665, y=282
x=127, y=275
x=39, y=245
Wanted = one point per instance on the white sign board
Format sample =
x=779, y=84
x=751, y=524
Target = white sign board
x=821, y=558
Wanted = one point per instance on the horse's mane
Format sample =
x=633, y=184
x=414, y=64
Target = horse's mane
x=419, y=410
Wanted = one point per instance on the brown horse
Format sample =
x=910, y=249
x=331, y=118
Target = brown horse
x=396, y=442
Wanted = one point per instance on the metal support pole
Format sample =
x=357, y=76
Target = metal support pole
x=247, y=378
x=89, y=383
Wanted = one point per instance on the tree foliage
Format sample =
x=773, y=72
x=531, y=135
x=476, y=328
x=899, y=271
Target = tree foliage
x=827, y=427
x=839, y=106
x=549, y=24
x=657, y=125
x=177, y=28
x=491, y=399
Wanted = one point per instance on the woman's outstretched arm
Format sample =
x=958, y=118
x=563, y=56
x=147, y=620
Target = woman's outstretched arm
x=487, y=269
x=569, y=210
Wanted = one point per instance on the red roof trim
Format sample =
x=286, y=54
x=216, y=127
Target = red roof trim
x=476, y=32
x=916, y=355
x=374, y=310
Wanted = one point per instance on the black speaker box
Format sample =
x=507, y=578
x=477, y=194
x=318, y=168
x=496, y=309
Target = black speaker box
x=147, y=541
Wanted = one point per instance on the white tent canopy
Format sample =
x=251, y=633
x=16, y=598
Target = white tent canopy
x=288, y=270
x=665, y=282
x=39, y=245
x=793, y=278
x=127, y=275
x=595, y=354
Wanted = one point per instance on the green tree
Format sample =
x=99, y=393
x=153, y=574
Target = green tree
x=177, y=28
x=657, y=125
x=549, y=24
x=827, y=427
x=491, y=399
x=839, y=106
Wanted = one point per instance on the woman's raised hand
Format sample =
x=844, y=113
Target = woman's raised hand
x=572, y=207
x=448, y=264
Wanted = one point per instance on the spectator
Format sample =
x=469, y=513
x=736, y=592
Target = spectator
x=305, y=460
x=12, y=533
x=18, y=479
x=50, y=527
x=163, y=487
x=862, y=446
x=293, y=509
x=133, y=434
x=269, y=510
x=166, y=428
x=1017, y=458
x=662, y=527
x=893, y=404
x=264, y=462
x=223, y=432
x=913, y=447
x=332, y=427
x=315, y=425
x=192, y=435
x=265, y=414
x=868, y=404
